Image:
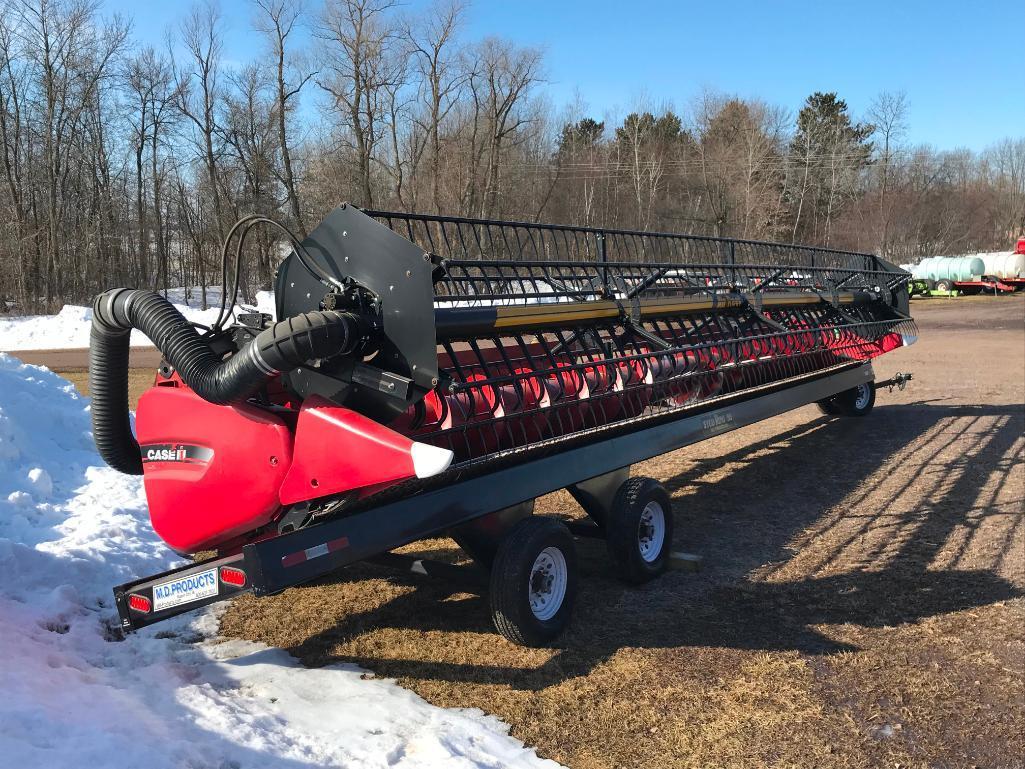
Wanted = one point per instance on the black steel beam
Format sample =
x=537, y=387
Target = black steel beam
x=310, y=553
x=132, y=619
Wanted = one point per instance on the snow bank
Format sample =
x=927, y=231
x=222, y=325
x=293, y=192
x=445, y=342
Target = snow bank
x=171, y=696
x=70, y=327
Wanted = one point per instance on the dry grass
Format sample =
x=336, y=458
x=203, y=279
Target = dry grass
x=139, y=380
x=861, y=603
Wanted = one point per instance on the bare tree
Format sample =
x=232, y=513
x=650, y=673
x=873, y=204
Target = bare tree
x=119, y=164
x=406, y=146
x=1006, y=167
x=645, y=144
x=500, y=84
x=358, y=36
x=251, y=139
x=163, y=117
x=581, y=165
x=147, y=78
x=14, y=93
x=198, y=87
x=739, y=152
x=66, y=53
x=278, y=21
x=888, y=113
x=432, y=39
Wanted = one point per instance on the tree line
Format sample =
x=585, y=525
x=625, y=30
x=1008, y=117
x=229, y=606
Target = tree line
x=127, y=164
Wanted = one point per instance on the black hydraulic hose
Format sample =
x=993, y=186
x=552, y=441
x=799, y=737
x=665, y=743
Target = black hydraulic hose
x=246, y=223
x=282, y=347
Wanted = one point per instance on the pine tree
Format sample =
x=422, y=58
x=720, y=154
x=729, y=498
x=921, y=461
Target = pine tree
x=827, y=154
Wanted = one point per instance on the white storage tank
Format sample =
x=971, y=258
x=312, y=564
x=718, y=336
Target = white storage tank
x=952, y=268
x=1005, y=265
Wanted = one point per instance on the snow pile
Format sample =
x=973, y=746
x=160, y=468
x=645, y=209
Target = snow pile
x=70, y=327
x=71, y=528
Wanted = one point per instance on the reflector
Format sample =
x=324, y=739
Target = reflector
x=235, y=577
x=140, y=603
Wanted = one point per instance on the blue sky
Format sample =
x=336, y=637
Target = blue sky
x=962, y=64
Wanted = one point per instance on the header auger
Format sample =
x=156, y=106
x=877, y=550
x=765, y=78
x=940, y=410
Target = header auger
x=430, y=374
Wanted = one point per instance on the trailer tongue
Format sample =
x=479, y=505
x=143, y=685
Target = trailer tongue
x=433, y=375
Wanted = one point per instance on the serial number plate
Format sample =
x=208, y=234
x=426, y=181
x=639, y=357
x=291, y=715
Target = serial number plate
x=194, y=587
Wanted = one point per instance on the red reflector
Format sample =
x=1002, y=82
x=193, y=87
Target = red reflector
x=139, y=603
x=230, y=576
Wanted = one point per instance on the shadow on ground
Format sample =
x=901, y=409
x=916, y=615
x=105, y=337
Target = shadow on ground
x=747, y=520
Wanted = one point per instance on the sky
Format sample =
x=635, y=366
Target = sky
x=961, y=64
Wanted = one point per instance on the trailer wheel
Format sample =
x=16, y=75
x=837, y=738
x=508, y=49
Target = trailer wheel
x=640, y=530
x=534, y=581
x=944, y=285
x=828, y=407
x=856, y=402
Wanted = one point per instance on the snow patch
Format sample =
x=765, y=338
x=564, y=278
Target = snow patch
x=171, y=696
x=69, y=328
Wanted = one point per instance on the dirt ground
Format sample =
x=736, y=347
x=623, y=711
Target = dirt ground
x=861, y=601
x=75, y=361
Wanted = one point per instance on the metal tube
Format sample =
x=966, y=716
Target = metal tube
x=467, y=321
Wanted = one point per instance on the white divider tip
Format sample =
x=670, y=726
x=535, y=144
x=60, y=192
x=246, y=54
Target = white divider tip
x=429, y=460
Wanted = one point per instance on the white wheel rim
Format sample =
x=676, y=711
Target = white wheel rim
x=651, y=531
x=862, y=398
x=547, y=583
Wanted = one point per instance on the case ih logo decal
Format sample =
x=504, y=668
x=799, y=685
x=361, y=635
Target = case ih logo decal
x=176, y=452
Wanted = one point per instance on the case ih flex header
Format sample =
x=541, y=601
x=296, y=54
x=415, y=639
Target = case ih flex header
x=433, y=375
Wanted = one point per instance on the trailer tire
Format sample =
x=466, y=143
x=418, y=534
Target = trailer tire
x=856, y=402
x=828, y=407
x=639, y=532
x=534, y=581
x=944, y=285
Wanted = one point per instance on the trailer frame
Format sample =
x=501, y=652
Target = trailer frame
x=984, y=285
x=501, y=496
